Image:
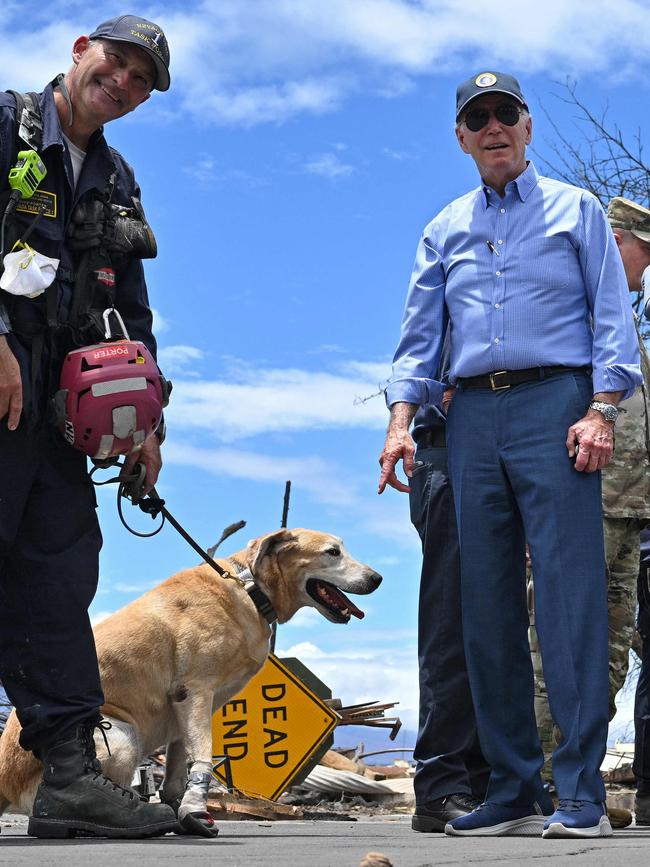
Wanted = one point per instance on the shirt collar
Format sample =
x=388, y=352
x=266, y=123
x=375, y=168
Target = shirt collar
x=523, y=184
x=52, y=133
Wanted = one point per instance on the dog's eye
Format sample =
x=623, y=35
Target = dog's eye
x=334, y=552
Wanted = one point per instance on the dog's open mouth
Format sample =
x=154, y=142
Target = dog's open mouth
x=333, y=600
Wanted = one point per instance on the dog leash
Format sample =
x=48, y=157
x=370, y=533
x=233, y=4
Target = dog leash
x=130, y=488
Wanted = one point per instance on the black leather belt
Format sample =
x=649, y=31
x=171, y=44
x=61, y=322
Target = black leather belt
x=431, y=439
x=501, y=379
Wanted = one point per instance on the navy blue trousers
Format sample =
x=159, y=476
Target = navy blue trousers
x=513, y=482
x=447, y=753
x=49, y=554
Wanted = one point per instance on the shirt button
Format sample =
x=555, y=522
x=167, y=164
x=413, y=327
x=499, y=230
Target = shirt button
x=502, y=211
x=496, y=339
x=499, y=241
x=497, y=306
x=498, y=273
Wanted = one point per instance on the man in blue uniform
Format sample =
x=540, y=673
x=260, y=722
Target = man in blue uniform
x=524, y=275
x=49, y=534
x=451, y=774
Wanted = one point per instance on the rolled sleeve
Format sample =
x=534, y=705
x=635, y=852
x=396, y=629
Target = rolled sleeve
x=423, y=329
x=615, y=351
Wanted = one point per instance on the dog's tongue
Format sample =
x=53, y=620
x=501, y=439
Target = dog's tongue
x=343, y=602
x=357, y=612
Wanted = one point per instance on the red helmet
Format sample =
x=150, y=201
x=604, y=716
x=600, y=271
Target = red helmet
x=111, y=398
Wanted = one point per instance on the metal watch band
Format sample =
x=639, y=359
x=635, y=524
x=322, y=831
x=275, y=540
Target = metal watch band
x=607, y=410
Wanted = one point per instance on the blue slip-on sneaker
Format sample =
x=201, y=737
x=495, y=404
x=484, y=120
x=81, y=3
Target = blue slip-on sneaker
x=497, y=820
x=578, y=819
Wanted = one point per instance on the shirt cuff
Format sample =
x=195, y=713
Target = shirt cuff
x=618, y=377
x=416, y=391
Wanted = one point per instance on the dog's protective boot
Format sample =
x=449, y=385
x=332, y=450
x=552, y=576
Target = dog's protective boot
x=199, y=824
x=76, y=799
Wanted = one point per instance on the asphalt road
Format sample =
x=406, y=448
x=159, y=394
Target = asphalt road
x=319, y=844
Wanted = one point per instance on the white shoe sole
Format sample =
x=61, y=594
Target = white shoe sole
x=557, y=829
x=527, y=826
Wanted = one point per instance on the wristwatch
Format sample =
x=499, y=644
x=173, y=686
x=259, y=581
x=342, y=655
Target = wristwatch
x=607, y=410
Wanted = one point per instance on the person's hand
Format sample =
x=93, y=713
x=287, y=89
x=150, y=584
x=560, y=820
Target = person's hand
x=447, y=398
x=149, y=456
x=398, y=445
x=595, y=436
x=11, y=388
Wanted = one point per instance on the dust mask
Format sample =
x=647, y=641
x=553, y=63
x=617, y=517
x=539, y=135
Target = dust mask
x=27, y=272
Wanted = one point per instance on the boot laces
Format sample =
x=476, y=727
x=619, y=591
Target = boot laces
x=93, y=763
x=567, y=805
x=466, y=800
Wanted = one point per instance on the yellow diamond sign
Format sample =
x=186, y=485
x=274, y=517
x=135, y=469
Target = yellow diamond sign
x=270, y=730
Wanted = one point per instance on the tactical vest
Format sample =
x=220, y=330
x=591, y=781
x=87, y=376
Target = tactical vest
x=102, y=237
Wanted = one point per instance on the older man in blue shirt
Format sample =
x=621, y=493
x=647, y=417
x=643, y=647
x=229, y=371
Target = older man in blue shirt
x=524, y=275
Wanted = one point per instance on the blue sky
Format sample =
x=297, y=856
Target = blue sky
x=287, y=175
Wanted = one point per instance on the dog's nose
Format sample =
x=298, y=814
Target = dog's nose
x=376, y=579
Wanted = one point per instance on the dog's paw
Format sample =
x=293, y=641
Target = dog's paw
x=196, y=824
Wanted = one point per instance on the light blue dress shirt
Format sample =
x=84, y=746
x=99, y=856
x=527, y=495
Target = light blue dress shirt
x=530, y=279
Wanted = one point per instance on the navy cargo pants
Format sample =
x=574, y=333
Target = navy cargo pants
x=447, y=753
x=49, y=554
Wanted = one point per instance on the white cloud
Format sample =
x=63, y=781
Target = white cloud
x=176, y=359
x=202, y=168
x=312, y=474
x=304, y=618
x=399, y=156
x=205, y=169
x=98, y=617
x=160, y=324
x=131, y=589
x=308, y=56
x=387, y=561
x=380, y=673
x=254, y=401
x=287, y=57
x=328, y=166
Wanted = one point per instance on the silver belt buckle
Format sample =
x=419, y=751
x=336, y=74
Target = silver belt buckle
x=494, y=385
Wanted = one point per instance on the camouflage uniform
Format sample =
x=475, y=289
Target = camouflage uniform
x=626, y=509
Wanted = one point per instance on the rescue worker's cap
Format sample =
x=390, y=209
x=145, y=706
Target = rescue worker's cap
x=146, y=34
x=487, y=82
x=624, y=214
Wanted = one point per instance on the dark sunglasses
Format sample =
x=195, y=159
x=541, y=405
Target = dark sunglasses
x=477, y=118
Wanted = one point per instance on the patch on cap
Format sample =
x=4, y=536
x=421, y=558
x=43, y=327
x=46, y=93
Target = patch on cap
x=499, y=82
x=485, y=79
x=145, y=34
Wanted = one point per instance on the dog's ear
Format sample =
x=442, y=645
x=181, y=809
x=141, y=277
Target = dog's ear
x=258, y=549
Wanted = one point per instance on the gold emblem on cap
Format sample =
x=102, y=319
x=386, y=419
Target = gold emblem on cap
x=485, y=79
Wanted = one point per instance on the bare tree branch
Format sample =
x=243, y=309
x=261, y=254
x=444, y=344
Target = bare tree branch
x=598, y=158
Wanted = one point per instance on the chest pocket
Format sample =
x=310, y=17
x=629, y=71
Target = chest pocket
x=47, y=233
x=544, y=265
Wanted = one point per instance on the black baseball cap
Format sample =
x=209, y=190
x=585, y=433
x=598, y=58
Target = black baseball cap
x=487, y=82
x=145, y=34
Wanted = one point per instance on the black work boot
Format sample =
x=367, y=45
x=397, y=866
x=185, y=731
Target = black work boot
x=75, y=798
x=434, y=815
x=642, y=809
